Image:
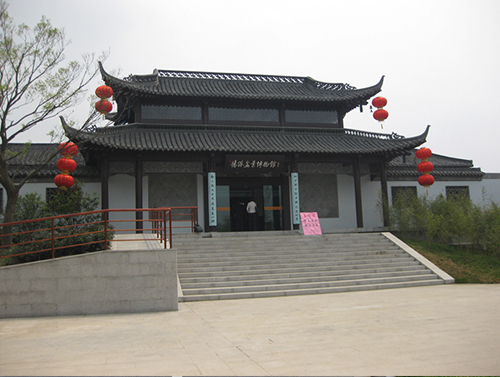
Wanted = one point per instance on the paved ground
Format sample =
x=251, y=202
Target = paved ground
x=437, y=330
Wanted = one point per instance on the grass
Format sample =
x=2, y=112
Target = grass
x=465, y=266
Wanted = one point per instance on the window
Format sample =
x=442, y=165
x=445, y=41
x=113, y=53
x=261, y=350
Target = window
x=171, y=112
x=403, y=193
x=311, y=116
x=457, y=192
x=223, y=114
x=50, y=193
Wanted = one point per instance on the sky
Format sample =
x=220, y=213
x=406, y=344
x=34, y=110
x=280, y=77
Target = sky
x=440, y=58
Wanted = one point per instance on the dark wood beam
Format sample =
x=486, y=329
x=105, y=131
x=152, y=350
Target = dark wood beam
x=104, y=183
x=385, y=193
x=357, y=192
x=138, y=194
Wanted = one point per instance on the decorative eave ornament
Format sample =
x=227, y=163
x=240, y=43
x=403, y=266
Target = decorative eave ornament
x=380, y=114
x=425, y=167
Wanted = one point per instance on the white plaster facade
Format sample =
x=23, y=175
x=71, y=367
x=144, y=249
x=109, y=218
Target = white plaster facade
x=122, y=196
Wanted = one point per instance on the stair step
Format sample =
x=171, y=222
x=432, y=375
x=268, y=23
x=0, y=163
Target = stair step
x=273, y=269
x=266, y=280
x=298, y=264
x=352, y=288
x=230, y=266
x=228, y=260
x=310, y=274
x=306, y=285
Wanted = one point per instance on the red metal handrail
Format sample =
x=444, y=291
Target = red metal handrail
x=49, y=230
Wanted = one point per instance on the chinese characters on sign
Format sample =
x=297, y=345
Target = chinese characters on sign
x=255, y=164
x=212, y=202
x=295, y=199
x=310, y=223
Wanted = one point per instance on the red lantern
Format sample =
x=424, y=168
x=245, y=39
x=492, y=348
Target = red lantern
x=66, y=165
x=423, y=153
x=425, y=167
x=64, y=181
x=380, y=115
x=426, y=180
x=68, y=149
x=103, y=106
x=104, y=92
x=379, y=102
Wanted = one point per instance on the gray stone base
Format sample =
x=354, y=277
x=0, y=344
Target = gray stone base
x=104, y=282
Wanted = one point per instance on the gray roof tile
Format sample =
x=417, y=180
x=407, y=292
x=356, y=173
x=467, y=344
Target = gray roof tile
x=241, y=87
x=406, y=166
x=230, y=139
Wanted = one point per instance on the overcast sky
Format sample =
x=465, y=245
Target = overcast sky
x=441, y=59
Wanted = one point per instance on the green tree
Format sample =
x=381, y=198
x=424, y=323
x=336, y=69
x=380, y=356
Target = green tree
x=75, y=235
x=36, y=84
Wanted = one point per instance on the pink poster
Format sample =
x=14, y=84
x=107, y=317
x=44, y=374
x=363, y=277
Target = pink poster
x=310, y=223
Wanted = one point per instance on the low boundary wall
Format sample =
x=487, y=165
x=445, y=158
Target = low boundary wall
x=105, y=282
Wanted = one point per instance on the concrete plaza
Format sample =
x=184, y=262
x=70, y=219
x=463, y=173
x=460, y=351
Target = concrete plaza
x=435, y=330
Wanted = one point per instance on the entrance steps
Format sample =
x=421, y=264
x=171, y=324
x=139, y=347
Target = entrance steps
x=268, y=264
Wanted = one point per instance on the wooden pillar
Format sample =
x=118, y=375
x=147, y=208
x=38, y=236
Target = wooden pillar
x=285, y=202
x=357, y=192
x=104, y=182
x=385, y=193
x=138, y=194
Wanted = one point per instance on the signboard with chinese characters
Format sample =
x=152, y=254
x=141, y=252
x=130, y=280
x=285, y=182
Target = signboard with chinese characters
x=295, y=199
x=310, y=223
x=212, y=200
x=254, y=164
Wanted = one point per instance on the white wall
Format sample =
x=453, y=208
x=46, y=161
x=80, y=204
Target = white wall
x=491, y=186
x=481, y=192
x=122, y=196
x=371, y=192
x=347, y=206
x=40, y=188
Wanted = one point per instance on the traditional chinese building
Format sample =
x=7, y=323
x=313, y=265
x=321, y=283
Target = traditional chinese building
x=216, y=140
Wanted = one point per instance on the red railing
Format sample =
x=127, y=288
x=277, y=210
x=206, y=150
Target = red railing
x=52, y=234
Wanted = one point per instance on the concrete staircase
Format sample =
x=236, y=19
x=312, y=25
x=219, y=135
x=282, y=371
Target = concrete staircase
x=268, y=264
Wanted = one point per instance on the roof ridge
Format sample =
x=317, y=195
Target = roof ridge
x=249, y=77
x=243, y=128
x=231, y=76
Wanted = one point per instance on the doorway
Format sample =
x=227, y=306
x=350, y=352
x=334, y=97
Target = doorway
x=232, y=201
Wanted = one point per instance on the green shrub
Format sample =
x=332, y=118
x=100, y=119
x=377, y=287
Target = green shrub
x=448, y=221
x=492, y=228
x=73, y=200
x=409, y=214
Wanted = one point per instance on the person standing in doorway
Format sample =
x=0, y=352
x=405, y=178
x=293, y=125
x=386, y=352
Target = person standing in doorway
x=253, y=216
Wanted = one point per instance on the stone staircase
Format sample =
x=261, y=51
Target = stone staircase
x=268, y=264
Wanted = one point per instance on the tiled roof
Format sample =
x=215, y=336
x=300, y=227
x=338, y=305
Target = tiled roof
x=406, y=166
x=30, y=158
x=229, y=139
x=241, y=87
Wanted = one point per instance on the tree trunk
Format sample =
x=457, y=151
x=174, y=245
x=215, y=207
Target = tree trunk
x=10, y=210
